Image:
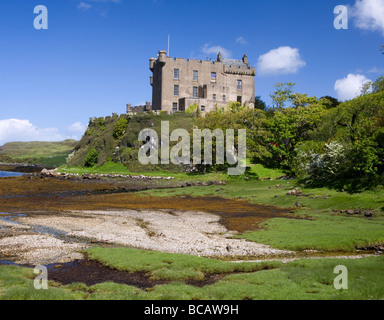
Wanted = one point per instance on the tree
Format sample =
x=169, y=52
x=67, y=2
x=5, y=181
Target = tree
x=91, y=158
x=330, y=102
x=260, y=104
x=120, y=128
x=301, y=100
x=282, y=94
x=378, y=85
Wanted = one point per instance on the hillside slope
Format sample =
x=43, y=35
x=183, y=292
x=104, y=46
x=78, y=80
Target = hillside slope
x=116, y=139
x=37, y=152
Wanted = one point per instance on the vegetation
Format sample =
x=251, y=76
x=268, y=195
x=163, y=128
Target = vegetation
x=91, y=158
x=298, y=280
x=50, y=154
x=165, y=266
x=319, y=140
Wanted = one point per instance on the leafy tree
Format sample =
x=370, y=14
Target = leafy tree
x=281, y=94
x=330, y=102
x=301, y=100
x=260, y=104
x=378, y=85
x=120, y=128
x=91, y=158
x=289, y=127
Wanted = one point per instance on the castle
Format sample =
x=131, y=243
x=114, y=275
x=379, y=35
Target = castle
x=180, y=83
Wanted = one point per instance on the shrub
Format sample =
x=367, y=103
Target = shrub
x=120, y=128
x=91, y=158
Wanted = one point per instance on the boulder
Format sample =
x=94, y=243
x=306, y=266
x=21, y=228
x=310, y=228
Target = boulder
x=368, y=213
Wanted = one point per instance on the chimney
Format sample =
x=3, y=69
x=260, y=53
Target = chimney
x=219, y=57
x=245, y=60
x=162, y=55
x=129, y=108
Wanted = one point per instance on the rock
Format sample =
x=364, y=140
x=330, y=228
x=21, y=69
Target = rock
x=350, y=212
x=335, y=210
x=368, y=213
x=294, y=192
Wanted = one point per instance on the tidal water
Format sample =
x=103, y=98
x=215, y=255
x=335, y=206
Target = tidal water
x=4, y=174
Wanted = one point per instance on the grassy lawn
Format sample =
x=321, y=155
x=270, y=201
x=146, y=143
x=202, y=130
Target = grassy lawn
x=299, y=280
x=118, y=168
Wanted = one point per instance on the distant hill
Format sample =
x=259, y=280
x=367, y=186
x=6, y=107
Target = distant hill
x=50, y=154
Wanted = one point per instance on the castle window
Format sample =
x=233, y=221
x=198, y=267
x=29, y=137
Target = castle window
x=202, y=108
x=224, y=98
x=176, y=74
x=239, y=85
x=195, y=92
x=195, y=75
x=174, y=107
x=176, y=90
x=213, y=76
x=239, y=99
x=214, y=97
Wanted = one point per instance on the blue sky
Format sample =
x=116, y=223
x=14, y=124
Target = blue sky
x=94, y=57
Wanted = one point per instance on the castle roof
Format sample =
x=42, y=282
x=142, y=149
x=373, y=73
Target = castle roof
x=234, y=63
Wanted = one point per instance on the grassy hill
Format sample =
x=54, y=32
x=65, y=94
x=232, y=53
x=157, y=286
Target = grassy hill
x=115, y=139
x=37, y=152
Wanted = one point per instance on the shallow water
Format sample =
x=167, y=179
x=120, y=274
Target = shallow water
x=4, y=174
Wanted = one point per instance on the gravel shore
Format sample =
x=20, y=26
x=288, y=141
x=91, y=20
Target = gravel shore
x=187, y=232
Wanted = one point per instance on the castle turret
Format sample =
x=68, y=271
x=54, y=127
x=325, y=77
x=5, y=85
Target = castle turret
x=162, y=55
x=245, y=60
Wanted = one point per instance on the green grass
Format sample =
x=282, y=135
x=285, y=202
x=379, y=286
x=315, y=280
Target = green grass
x=118, y=168
x=36, y=149
x=165, y=266
x=16, y=284
x=298, y=280
x=263, y=172
x=325, y=233
x=37, y=152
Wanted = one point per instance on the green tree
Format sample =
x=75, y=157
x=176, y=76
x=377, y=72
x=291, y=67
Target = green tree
x=92, y=158
x=260, y=104
x=329, y=102
x=281, y=94
x=120, y=128
x=289, y=127
x=378, y=85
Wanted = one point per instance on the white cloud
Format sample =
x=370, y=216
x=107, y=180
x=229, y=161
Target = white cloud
x=211, y=49
x=283, y=60
x=24, y=130
x=77, y=127
x=113, y=1
x=369, y=15
x=84, y=6
x=350, y=86
x=376, y=70
x=241, y=40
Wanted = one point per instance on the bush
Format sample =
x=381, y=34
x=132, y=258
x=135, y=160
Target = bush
x=120, y=128
x=91, y=158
